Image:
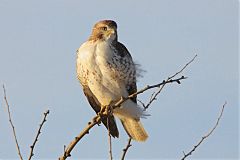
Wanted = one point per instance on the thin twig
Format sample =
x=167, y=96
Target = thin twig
x=38, y=133
x=126, y=148
x=10, y=120
x=206, y=136
x=154, y=95
x=143, y=105
x=177, y=73
x=109, y=140
x=123, y=99
x=67, y=152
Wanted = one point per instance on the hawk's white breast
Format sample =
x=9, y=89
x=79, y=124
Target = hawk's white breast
x=94, y=70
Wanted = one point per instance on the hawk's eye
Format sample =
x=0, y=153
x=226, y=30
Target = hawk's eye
x=104, y=28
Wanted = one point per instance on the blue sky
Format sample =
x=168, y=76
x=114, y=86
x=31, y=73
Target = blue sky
x=37, y=65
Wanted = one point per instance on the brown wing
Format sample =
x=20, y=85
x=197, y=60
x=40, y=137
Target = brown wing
x=97, y=107
x=131, y=86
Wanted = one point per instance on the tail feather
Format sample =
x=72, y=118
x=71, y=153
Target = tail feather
x=130, y=113
x=134, y=129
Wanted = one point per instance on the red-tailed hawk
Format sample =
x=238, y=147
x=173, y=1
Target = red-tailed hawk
x=107, y=72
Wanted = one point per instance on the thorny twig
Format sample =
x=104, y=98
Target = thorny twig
x=206, y=136
x=38, y=133
x=10, y=120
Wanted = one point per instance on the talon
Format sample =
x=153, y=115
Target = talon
x=103, y=110
x=109, y=110
x=122, y=98
x=106, y=110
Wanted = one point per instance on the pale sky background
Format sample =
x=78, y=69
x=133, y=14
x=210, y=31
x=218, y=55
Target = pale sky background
x=38, y=40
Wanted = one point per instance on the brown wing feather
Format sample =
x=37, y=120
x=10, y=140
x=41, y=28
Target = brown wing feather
x=97, y=107
x=131, y=87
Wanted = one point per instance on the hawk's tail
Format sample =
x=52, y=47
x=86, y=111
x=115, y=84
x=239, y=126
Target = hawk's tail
x=130, y=113
x=134, y=129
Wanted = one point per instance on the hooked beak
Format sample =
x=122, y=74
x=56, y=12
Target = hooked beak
x=111, y=32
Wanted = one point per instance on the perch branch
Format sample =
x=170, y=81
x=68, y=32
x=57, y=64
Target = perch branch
x=159, y=85
x=123, y=99
x=97, y=118
x=10, y=120
x=205, y=136
x=126, y=148
x=67, y=151
x=38, y=133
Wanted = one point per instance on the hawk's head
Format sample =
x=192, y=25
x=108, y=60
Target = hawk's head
x=105, y=30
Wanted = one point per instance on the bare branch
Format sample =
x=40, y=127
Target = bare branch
x=154, y=95
x=123, y=99
x=109, y=140
x=10, y=120
x=67, y=151
x=183, y=68
x=207, y=135
x=126, y=148
x=97, y=118
x=38, y=133
x=143, y=105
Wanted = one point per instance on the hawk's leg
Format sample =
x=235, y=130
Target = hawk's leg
x=106, y=110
